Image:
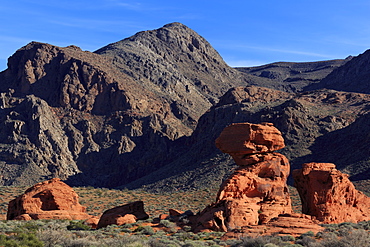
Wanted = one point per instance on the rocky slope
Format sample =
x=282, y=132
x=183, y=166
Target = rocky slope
x=67, y=112
x=351, y=77
x=176, y=63
x=145, y=111
x=292, y=77
x=74, y=114
x=310, y=123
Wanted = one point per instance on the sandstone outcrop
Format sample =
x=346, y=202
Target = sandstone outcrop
x=328, y=194
x=257, y=191
x=51, y=199
x=285, y=224
x=125, y=214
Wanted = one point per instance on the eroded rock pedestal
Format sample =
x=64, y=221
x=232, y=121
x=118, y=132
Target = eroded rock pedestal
x=328, y=194
x=51, y=199
x=257, y=191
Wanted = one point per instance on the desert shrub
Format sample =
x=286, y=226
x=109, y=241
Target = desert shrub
x=305, y=241
x=287, y=238
x=170, y=225
x=334, y=242
x=307, y=234
x=20, y=240
x=167, y=223
x=253, y=242
x=364, y=225
x=193, y=244
x=187, y=228
x=357, y=238
x=77, y=225
x=51, y=237
x=147, y=230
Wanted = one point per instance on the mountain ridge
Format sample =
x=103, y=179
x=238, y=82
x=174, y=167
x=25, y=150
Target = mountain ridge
x=144, y=112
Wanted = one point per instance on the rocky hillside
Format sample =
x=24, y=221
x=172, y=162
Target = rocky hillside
x=310, y=122
x=145, y=111
x=352, y=77
x=292, y=77
x=96, y=118
x=176, y=63
x=67, y=112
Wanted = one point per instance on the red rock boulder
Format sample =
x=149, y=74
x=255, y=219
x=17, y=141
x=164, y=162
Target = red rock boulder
x=247, y=138
x=328, y=194
x=51, y=199
x=125, y=214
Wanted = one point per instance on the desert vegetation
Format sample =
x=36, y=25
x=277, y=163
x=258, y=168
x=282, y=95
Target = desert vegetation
x=75, y=233
x=152, y=232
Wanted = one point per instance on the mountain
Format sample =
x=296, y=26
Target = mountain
x=178, y=64
x=292, y=77
x=116, y=119
x=67, y=112
x=145, y=111
x=351, y=77
x=312, y=124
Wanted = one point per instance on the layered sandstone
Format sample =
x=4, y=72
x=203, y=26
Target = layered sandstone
x=257, y=191
x=51, y=199
x=328, y=194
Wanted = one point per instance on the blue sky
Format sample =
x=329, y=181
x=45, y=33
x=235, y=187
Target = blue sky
x=245, y=33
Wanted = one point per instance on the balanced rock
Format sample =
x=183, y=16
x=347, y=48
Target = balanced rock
x=257, y=191
x=51, y=199
x=125, y=214
x=247, y=138
x=328, y=194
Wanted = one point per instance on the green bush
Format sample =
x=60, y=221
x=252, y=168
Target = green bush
x=287, y=238
x=20, y=240
x=77, y=226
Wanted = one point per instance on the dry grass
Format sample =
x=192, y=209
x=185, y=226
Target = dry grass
x=97, y=200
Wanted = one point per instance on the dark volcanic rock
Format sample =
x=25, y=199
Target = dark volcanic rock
x=67, y=112
x=351, y=77
x=176, y=62
x=145, y=111
x=291, y=77
x=74, y=114
x=304, y=119
x=33, y=145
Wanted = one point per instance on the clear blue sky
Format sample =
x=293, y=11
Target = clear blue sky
x=245, y=33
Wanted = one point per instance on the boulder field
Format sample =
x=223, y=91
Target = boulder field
x=255, y=199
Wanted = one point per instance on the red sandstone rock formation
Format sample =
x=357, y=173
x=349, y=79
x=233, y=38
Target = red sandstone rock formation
x=256, y=192
x=286, y=224
x=329, y=195
x=125, y=214
x=51, y=199
x=246, y=138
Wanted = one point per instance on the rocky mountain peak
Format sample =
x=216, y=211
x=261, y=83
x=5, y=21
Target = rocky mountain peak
x=177, y=63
